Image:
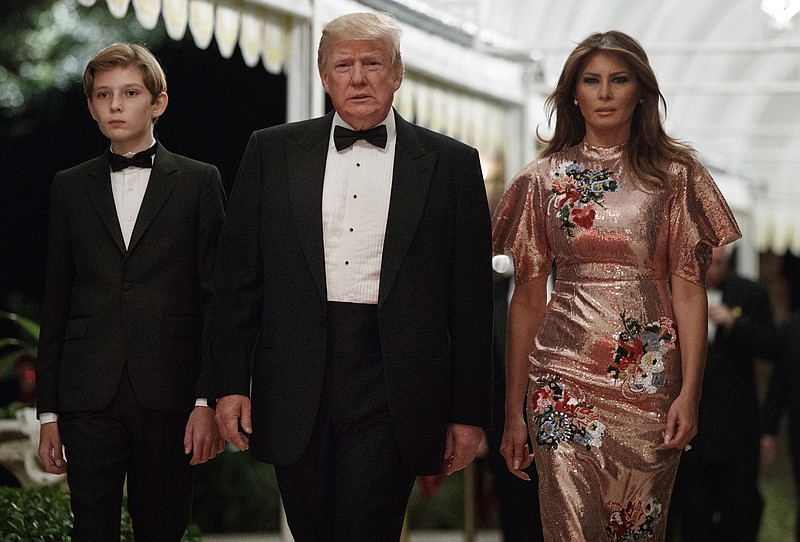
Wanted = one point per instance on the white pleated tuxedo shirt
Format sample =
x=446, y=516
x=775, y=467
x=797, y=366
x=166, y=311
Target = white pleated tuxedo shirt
x=355, y=209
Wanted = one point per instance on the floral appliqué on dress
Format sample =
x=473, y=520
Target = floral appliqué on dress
x=562, y=418
x=634, y=522
x=577, y=191
x=641, y=354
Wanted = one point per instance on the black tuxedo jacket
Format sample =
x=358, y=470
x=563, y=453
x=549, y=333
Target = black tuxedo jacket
x=435, y=298
x=106, y=305
x=729, y=418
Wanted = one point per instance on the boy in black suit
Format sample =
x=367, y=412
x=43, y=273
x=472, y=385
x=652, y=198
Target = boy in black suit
x=122, y=373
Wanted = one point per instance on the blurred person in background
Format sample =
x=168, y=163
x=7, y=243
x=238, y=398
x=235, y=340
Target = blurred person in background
x=716, y=492
x=783, y=392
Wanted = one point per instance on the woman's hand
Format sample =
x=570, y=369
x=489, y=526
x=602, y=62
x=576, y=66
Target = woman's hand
x=681, y=423
x=514, y=447
x=525, y=313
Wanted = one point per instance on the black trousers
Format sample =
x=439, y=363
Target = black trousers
x=350, y=485
x=717, y=502
x=103, y=447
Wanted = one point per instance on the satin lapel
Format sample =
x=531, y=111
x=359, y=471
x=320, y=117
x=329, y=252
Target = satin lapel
x=413, y=170
x=100, y=193
x=159, y=187
x=306, y=164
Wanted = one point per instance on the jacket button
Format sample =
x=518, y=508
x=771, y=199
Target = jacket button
x=126, y=285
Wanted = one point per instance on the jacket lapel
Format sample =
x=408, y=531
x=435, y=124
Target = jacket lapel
x=102, y=196
x=159, y=187
x=413, y=170
x=306, y=160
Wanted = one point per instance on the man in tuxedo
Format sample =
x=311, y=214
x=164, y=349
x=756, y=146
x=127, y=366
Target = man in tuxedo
x=716, y=492
x=123, y=371
x=355, y=275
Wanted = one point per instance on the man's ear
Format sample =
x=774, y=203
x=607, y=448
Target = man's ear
x=323, y=76
x=160, y=105
x=90, y=105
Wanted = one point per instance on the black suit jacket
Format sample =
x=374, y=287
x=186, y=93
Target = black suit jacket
x=106, y=305
x=783, y=394
x=729, y=420
x=435, y=298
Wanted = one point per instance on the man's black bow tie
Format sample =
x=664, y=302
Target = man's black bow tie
x=140, y=159
x=344, y=137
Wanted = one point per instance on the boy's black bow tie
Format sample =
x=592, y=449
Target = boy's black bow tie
x=140, y=159
x=344, y=137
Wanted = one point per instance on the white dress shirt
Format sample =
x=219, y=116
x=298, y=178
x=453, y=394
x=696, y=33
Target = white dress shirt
x=129, y=186
x=355, y=209
x=714, y=298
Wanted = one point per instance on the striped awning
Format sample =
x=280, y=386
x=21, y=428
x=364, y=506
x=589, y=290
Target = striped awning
x=260, y=30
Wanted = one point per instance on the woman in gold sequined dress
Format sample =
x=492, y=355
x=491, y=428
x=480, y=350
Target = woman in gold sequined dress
x=612, y=365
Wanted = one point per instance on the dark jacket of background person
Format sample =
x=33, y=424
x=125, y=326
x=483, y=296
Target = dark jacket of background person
x=783, y=396
x=729, y=408
x=716, y=493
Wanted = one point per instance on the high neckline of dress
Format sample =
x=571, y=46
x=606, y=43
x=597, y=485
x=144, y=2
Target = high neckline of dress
x=602, y=152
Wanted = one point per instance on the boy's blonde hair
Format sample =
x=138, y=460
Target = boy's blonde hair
x=124, y=55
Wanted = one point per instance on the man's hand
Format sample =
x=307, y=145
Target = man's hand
x=769, y=449
x=461, y=446
x=723, y=315
x=50, y=450
x=233, y=411
x=202, y=438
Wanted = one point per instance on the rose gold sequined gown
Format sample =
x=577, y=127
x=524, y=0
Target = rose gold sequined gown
x=606, y=367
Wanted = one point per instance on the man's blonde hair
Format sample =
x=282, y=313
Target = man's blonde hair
x=362, y=26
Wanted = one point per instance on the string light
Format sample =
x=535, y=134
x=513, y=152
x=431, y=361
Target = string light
x=781, y=12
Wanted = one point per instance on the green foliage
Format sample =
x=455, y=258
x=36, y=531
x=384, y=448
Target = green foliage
x=777, y=488
x=42, y=514
x=9, y=412
x=235, y=493
x=445, y=510
x=24, y=342
x=29, y=328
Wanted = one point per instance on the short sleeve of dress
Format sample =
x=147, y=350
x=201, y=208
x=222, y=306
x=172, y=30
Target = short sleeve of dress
x=699, y=220
x=518, y=226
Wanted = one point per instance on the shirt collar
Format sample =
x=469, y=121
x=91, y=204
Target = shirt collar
x=129, y=154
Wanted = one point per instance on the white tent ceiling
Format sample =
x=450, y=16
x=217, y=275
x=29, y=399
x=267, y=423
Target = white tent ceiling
x=730, y=77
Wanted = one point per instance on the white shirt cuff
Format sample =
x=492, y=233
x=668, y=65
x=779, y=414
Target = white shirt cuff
x=47, y=417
